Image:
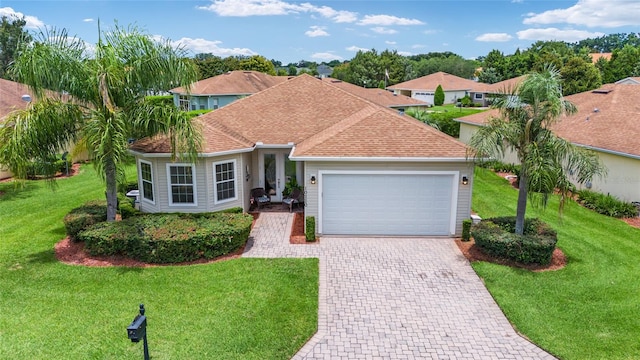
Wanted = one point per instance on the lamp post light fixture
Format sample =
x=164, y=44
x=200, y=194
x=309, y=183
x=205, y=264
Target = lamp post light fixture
x=313, y=179
x=138, y=330
x=465, y=180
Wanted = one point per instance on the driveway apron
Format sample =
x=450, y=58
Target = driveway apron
x=395, y=298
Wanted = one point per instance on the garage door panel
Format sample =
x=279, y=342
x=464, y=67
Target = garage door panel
x=386, y=204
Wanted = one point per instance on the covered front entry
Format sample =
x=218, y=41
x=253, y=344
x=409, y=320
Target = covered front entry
x=388, y=203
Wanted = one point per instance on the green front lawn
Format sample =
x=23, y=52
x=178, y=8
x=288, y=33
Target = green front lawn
x=588, y=310
x=237, y=309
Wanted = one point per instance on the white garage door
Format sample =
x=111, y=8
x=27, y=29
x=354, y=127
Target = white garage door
x=386, y=204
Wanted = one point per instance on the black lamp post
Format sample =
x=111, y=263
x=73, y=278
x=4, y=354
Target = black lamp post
x=138, y=330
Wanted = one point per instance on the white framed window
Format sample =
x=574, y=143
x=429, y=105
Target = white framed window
x=146, y=176
x=478, y=96
x=225, y=181
x=214, y=102
x=182, y=184
x=183, y=102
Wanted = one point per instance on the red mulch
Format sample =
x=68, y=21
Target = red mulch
x=297, y=230
x=473, y=253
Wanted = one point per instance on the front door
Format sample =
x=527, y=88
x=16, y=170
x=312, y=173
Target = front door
x=276, y=171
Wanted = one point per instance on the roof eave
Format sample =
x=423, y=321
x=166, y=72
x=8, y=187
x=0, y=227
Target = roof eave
x=380, y=159
x=203, y=155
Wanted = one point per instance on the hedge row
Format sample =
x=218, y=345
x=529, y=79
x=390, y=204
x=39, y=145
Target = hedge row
x=169, y=238
x=496, y=237
x=84, y=216
x=606, y=204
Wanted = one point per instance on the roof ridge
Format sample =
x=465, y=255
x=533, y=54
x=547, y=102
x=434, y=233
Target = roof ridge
x=326, y=133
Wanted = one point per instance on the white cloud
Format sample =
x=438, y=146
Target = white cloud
x=430, y=32
x=32, y=22
x=200, y=45
x=316, y=31
x=494, y=37
x=592, y=13
x=390, y=42
x=325, y=56
x=383, y=30
x=87, y=20
x=556, y=34
x=388, y=20
x=243, y=8
x=356, y=48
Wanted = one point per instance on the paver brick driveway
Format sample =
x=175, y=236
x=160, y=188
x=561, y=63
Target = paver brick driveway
x=396, y=298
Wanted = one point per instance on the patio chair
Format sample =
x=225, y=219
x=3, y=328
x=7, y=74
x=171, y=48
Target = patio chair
x=259, y=197
x=292, y=199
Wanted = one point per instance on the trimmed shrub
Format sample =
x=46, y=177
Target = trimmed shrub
x=126, y=206
x=310, y=228
x=606, y=204
x=466, y=229
x=52, y=166
x=84, y=216
x=170, y=238
x=438, y=97
x=495, y=237
x=128, y=186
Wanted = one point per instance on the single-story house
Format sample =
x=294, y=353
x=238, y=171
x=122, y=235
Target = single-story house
x=365, y=169
x=483, y=93
x=424, y=88
x=607, y=122
x=217, y=91
x=379, y=96
x=13, y=96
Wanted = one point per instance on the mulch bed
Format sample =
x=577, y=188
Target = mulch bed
x=473, y=253
x=297, y=230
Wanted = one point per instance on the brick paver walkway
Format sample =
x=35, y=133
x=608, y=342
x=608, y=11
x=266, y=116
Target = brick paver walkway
x=395, y=298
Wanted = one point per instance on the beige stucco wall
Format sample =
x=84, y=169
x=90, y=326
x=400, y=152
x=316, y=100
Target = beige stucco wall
x=463, y=206
x=623, y=173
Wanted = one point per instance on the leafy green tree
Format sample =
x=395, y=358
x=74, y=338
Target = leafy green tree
x=579, y=75
x=257, y=63
x=622, y=64
x=341, y=72
x=438, y=97
x=293, y=70
x=524, y=127
x=422, y=115
x=489, y=76
x=210, y=65
x=364, y=69
x=282, y=72
x=395, y=65
x=101, y=101
x=11, y=33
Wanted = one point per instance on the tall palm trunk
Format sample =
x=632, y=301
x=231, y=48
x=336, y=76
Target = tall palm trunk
x=112, y=188
x=522, y=202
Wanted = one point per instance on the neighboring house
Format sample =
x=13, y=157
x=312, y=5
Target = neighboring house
x=13, y=96
x=324, y=71
x=365, y=169
x=483, y=93
x=597, y=56
x=218, y=91
x=607, y=122
x=379, y=96
x=424, y=88
x=629, y=81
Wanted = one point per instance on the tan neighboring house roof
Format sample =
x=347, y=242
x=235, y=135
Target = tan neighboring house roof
x=504, y=86
x=430, y=82
x=320, y=120
x=597, y=56
x=11, y=96
x=629, y=81
x=608, y=119
x=378, y=96
x=232, y=83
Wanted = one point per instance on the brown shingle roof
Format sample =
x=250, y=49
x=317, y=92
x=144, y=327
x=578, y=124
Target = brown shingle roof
x=233, y=82
x=597, y=56
x=322, y=120
x=430, y=83
x=608, y=118
x=378, y=96
x=11, y=96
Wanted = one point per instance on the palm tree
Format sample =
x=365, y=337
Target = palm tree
x=422, y=115
x=97, y=100
x=546, y=160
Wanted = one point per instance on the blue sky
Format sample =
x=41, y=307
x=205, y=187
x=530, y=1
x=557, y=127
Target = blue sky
x=331, y=29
